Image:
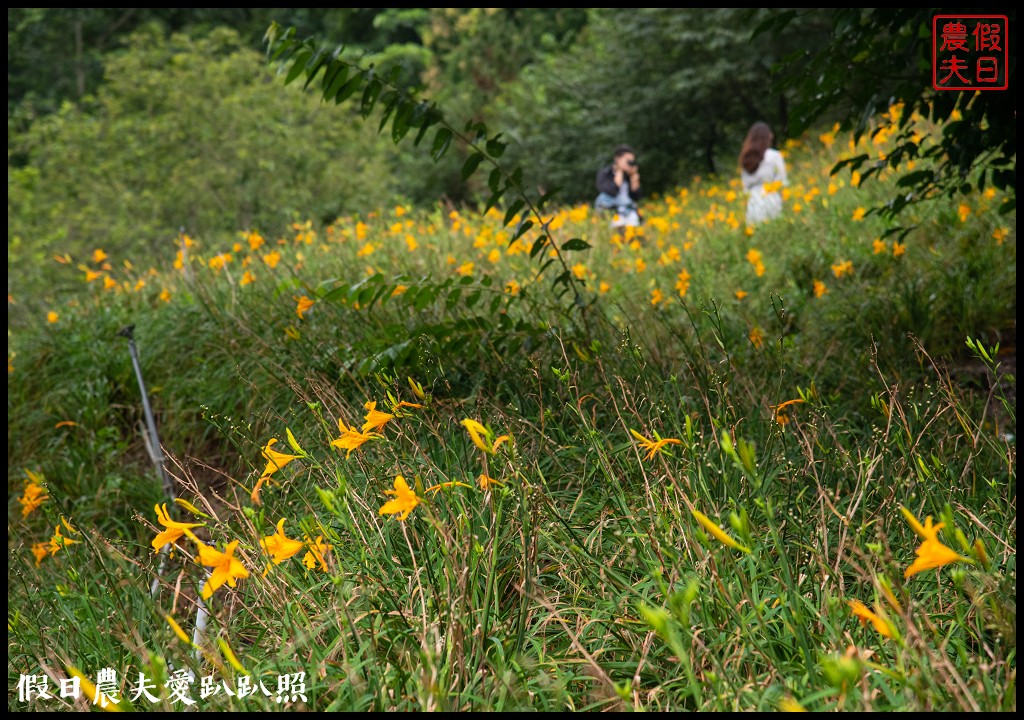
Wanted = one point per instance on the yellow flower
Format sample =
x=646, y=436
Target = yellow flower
x=819, y=288
x=756, y=336
x=926, y=531
x=34, y=495
x=271, y=259
x=931, y=553
x=58, y=541
x=40, y=550
x=740, y=294
x=226, y=568
x=220, y=260
x=375, y=419
x=99, y=256
x=781, y=414
x=788, y=704
x=303, y=306
x=1000, y=234
x=174, y=529
x=486, y=482
x=878, y=246
x=864, y=615
x=52, y=317
x=653, y=446
x=859, y=213
x=247, y=278
x=165, y=295
x=279, y=546
x=898, y=249
x=963, y=211
x=255, y=241
x=843, y=268
x=683, y=282
x=717, y=532
x=351, y=438
x=317, y=550
x=465, y=269
x=275, y=460
x=481, y=436
x=404, y=502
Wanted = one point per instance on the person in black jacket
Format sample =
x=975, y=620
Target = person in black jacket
x=618, y=186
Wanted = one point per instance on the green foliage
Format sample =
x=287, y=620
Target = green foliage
x=189, y=134
x=876, y=57
x=680, y=85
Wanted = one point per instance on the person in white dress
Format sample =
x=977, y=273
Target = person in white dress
x=760, y=166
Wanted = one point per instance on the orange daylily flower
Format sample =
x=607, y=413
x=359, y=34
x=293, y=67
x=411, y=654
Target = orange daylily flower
x=865, y=615
x=316, y=555
x=174, y=529
x=375, y=419
x=226, y=568
x=351, y=438
x=403, y=503
x=34, y=495
x=279, y=546
x=653, y=446
x=275, y=460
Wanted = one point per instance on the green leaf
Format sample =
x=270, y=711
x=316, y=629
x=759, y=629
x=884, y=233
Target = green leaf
x=471, y=164
x=298, y=65
x=495, y=147
x=313, y=66
x=523, y=226
x=400, y=126
x=493, y=200
x=494, y=180
x=538, y=245
x=514, y=208
x=338, y=293
x=370, y=95
x=562, y=279
x=349, y=89
x=442, y=140
x=576, y=244
x=334, y=80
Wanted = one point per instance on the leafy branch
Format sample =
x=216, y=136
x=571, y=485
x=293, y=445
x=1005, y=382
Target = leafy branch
x=341, y=79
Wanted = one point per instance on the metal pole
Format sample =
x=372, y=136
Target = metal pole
x=156, y=452
x=153, y=445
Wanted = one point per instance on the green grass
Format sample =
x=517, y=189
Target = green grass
x=584, y=581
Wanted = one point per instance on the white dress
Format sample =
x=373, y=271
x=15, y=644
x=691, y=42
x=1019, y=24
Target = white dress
x=763, y=205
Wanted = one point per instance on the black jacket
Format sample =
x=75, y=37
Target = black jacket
x=606, y=183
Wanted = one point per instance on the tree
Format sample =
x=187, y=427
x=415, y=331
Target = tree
x=680, y=85
x=876, y=57
x=192, y=132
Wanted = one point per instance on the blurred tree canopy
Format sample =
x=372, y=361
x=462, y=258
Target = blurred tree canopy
x=187, y=132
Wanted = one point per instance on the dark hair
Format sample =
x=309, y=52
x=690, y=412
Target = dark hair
x=622, y=150
x=759, y=138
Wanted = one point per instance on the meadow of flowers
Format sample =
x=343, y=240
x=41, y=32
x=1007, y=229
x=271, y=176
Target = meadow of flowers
x=409, y=475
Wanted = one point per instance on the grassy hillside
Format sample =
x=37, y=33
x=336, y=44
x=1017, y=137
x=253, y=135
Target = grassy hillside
x=703, y=485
